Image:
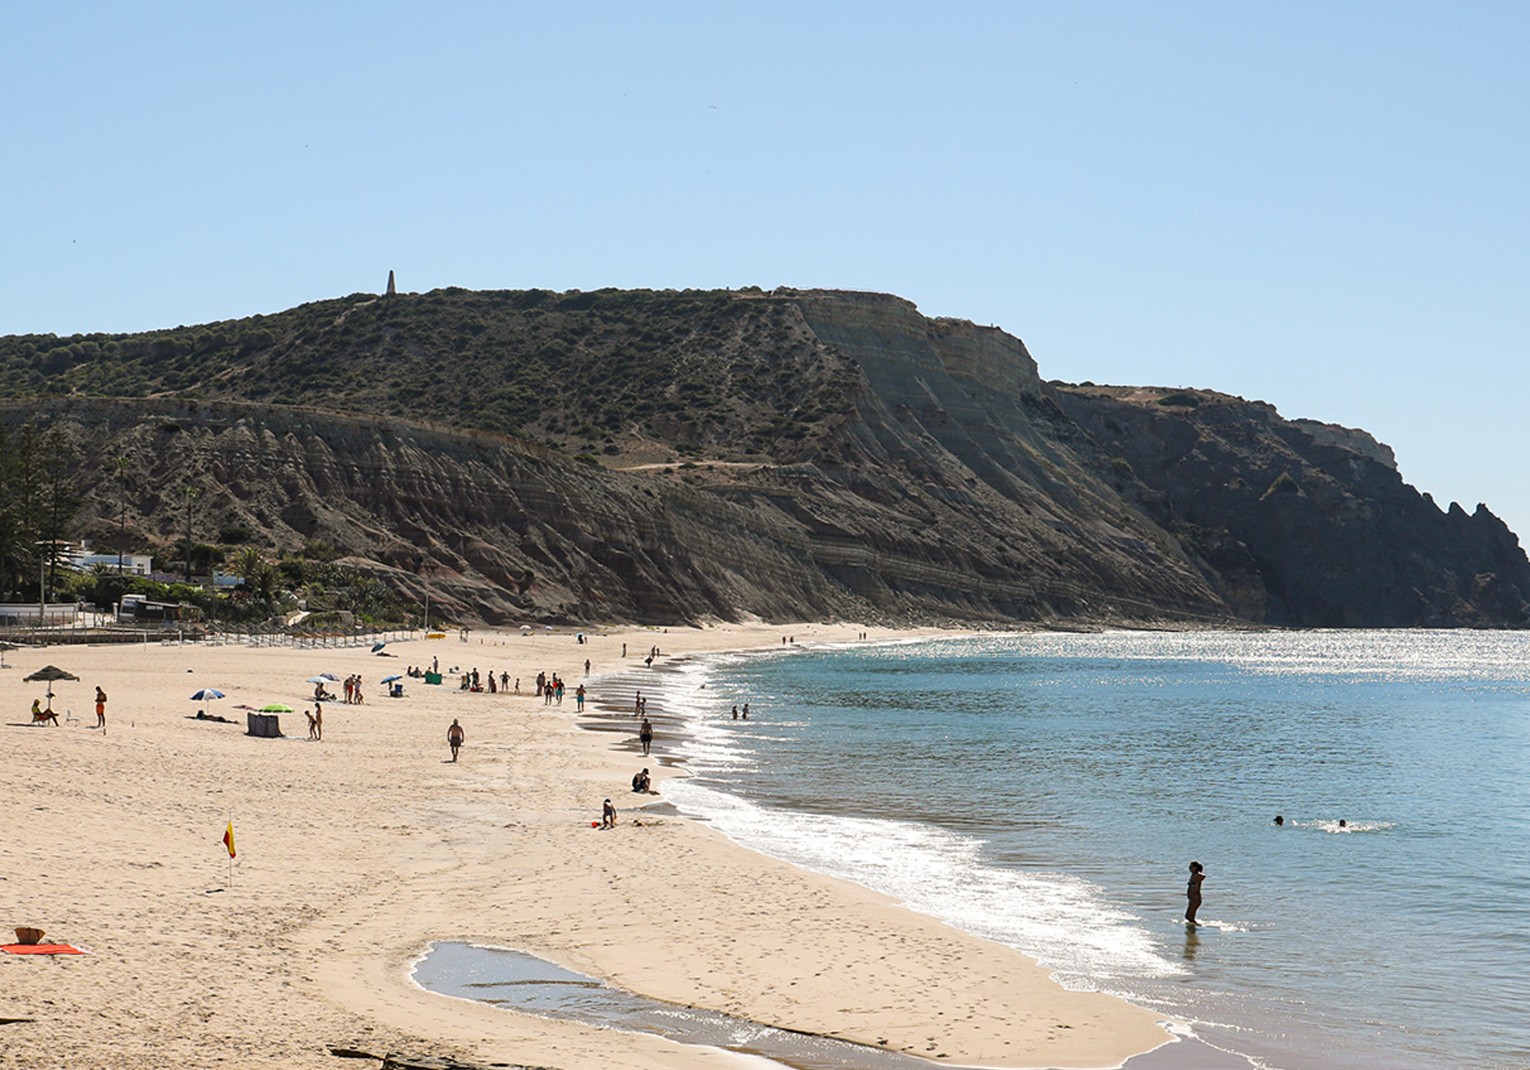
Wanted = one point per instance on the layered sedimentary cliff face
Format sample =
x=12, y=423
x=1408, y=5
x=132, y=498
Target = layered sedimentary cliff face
x=723, y=455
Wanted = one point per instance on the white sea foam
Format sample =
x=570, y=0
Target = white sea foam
x=1062, y=921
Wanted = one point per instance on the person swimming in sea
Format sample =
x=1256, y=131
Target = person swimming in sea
x=1279, y=820
x=1193, y=891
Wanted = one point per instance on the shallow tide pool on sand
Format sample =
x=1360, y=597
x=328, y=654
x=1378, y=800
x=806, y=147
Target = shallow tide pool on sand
x=527, y=983
x=524, y=982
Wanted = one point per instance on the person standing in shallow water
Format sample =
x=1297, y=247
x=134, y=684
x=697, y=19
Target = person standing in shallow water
x=1193, y=891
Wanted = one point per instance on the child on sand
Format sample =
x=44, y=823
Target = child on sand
x=607, y=815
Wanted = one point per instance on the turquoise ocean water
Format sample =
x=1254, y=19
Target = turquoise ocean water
x=1048, y=792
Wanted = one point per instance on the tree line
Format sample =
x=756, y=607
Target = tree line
x=38, y=503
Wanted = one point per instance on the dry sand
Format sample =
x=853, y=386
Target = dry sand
x=355, y=852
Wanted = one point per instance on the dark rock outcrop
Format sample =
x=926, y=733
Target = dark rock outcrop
x=1300, y=523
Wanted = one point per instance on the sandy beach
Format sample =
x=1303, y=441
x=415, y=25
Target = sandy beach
x=355, y=852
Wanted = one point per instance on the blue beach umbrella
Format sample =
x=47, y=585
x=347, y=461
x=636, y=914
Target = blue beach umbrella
x=208, y=694
x=390, y=679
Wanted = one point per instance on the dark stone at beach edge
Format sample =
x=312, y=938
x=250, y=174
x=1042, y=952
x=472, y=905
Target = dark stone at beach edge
x=395, y=1061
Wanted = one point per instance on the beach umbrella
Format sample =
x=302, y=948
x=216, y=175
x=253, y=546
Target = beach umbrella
x=322, y=678
x=525, y=627
x=275, y=707
x=378, y=646
x=208, y=694
x=51, y=673
x=390, y=679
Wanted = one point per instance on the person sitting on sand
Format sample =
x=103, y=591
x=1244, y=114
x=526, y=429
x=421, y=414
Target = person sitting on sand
x=1193, y=891
x=454, y=738
x=640, y=782
x=607, y=815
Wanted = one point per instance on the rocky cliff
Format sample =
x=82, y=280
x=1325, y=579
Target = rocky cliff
x=676, y=457
x=1297, y=522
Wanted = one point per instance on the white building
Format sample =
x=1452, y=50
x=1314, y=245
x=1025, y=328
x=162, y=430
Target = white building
x=84, y=561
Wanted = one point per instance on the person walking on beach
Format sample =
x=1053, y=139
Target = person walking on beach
x=454, y=738
x=1193, y=891
x=645, y=735
x=101, y=710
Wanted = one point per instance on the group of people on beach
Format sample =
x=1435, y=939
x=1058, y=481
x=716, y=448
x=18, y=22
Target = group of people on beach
x=353, y=695
x=549, y=689
x=45, y=715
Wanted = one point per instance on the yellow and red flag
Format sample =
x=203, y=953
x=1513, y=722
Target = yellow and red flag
x=228, y=838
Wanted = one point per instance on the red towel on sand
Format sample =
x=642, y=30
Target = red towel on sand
x=40, y=949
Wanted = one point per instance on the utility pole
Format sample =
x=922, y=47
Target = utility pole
x=191, y=495
x=121, y=510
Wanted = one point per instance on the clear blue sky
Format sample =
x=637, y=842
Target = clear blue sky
x=1321, y=205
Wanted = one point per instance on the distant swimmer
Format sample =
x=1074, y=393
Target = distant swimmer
x=1279, y=820
x=1193, y=891
x=1343, y=824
